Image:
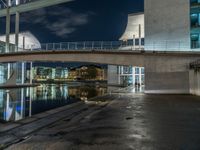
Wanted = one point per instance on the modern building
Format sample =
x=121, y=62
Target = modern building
x=134, y=28
x=88, y=72
x=130, y=75
x=126, y=75
x=26, y=41
x=46, y=73
x=172, y=25
x=63, y=73
x=91, y=72
x=133, y=37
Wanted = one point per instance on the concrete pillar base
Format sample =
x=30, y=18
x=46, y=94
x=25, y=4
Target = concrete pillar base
x=167, y=82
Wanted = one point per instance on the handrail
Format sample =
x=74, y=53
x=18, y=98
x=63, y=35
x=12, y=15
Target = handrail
x=129, y=45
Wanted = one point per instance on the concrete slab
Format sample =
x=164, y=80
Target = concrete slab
x=130, y=121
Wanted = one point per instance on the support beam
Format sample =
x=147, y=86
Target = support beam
x=32, y=6
x=140, y=39
x=17, y=31
x=7, y=29
x=23, y=73
x=31, y=73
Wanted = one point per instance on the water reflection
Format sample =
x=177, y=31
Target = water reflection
x=16, y=104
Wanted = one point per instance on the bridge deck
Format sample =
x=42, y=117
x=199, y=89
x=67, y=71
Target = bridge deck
x=137, y=58
x=126, y=52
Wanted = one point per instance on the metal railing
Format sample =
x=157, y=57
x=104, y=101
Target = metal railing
x=124, y=45
x=171, y=45
x=129, y=45
x=92, y=45
x=13, y=3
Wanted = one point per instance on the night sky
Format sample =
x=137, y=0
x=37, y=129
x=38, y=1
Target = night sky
x=80, y=20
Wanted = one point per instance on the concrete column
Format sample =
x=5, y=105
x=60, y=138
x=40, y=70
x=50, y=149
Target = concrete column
x=23, y=71
x=113, y=76
x=23, y=43
x=119, y=74
x=31, y=73
x=22, y=103
x=133, y=75
x=198, y=19
x=9, y=71
x=17, y=2
x=140, y=76
x=164, y=76
x=133, y=42
x=30, y=102
x=9, y=3
x=17, y=31
x=7, y=29
x=140, y=40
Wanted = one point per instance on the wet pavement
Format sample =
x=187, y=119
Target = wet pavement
x=128, y=122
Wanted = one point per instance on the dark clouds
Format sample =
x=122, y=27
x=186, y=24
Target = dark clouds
x=60, y=23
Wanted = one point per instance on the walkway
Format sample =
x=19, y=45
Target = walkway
x=129, y=122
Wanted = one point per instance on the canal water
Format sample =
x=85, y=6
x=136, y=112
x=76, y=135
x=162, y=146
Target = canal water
x=17, y=104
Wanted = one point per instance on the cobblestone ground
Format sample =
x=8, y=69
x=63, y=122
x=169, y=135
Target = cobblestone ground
x=129, y=122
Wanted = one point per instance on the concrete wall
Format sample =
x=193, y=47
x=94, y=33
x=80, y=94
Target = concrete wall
x=167, y=24
x=113, y=77
x=167, y=75
x=194, y=82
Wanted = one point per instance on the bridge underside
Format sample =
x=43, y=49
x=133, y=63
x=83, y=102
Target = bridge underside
x=165, y=73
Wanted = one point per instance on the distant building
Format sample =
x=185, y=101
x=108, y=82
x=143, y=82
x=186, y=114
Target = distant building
x=26, y=40
x=60, y=73
x=72, y=74
x=90, y=72
x=50, y=73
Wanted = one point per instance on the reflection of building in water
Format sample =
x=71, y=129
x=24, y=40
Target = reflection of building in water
x=16, y=104
x=86, y=92
x=13, y=104
x=50, y=92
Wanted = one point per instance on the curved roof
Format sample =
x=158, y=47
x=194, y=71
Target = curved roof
x=31, y=42
x=132, y=28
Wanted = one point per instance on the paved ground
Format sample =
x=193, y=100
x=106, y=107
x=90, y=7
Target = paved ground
x=129, y=122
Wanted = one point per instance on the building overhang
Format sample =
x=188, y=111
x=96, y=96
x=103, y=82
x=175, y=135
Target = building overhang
x=32, y=6
x=132, y=29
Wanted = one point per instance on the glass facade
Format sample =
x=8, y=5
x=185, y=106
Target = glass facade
x=195, y=23
x=129, y=75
